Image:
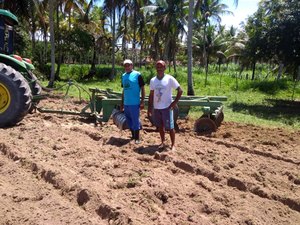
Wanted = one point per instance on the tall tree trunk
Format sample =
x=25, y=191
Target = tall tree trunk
x=124, y=50
x=253, y=69
x=297, y=78
x=174, y=63
x=112, y=75
x=134, y=32
x=173, y=53
x=166, y=54
x=280, y=70
x=58, y=45
x=142, y=42
x=33, y=28
x=206, y=66
x=92, y=71
x=156, y=46
x=52, y=41
x=205, y=54
x=190, y=48
x=45, y=51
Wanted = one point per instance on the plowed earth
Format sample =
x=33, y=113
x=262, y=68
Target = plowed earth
x=62, y=169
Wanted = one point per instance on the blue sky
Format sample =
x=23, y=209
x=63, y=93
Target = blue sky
x=244, y=9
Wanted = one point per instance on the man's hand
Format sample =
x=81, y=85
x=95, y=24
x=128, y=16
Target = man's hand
x=121, y=107
x=173, y=105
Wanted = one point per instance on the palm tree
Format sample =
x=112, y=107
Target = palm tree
x=210, y=10
x=76, y=4
x=93, y=26
x=52, y=41
x=189, y=37
x=43, y=22
x=109, y=8
x=190, y=89
x=169, y=23
x=124, y=29
x=138, y=24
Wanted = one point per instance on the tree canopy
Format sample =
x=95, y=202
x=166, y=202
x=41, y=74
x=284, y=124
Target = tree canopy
x=85, y=32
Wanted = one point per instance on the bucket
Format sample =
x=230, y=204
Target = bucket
x=119, y=119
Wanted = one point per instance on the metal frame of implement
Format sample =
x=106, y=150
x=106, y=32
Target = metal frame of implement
x=106, y=101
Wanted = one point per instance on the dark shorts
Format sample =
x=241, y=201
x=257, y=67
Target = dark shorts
x=163, y=118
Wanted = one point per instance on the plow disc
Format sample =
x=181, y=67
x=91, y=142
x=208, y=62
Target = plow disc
x=205, y=125
x=209, y=123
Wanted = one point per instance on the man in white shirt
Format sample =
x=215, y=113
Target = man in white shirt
x=161, y=104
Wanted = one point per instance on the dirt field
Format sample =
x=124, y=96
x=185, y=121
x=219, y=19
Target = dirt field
x=64, y=170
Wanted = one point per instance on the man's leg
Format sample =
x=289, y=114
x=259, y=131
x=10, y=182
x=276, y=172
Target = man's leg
x=172, y=136
x=158, y=122
x=168, y=120
x=137, y=136
x=132, y=134
x=162, y=136
x=135, y=116
x=127, y=112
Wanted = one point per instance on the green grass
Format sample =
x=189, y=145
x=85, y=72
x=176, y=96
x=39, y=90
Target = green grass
x=254, y=102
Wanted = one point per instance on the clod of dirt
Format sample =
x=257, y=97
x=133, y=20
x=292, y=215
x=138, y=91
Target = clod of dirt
x=83, y=197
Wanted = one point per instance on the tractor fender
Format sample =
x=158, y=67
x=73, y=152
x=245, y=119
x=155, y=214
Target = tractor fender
x=29, y=66
x=14, y=63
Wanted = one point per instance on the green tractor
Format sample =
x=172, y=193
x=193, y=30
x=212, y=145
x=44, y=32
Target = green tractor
x=19, y=87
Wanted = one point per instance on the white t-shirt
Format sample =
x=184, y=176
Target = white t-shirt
x=163, y=91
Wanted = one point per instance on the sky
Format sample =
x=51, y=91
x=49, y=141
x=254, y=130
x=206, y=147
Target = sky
x=244, y=9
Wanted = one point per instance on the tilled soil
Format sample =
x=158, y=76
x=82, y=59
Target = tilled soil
x=62, y=169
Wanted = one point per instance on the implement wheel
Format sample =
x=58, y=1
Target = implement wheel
x=15, y=96
x=205, y=125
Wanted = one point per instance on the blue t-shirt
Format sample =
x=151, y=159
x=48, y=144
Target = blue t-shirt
x=132, y=83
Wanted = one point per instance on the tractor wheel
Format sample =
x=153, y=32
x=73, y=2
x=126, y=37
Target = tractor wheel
x=205, y=125
x=15, y=96
x=36, y=89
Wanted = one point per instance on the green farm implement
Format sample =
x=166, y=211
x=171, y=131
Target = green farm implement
x=211, y=106
x=102, y=106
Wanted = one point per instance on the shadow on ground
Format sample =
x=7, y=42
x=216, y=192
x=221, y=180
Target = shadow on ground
x=274, y=109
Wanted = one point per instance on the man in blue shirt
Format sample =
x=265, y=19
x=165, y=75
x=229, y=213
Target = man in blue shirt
x=133, y=96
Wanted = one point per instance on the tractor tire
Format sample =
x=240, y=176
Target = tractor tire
x=15, y=96
x=36, y=89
